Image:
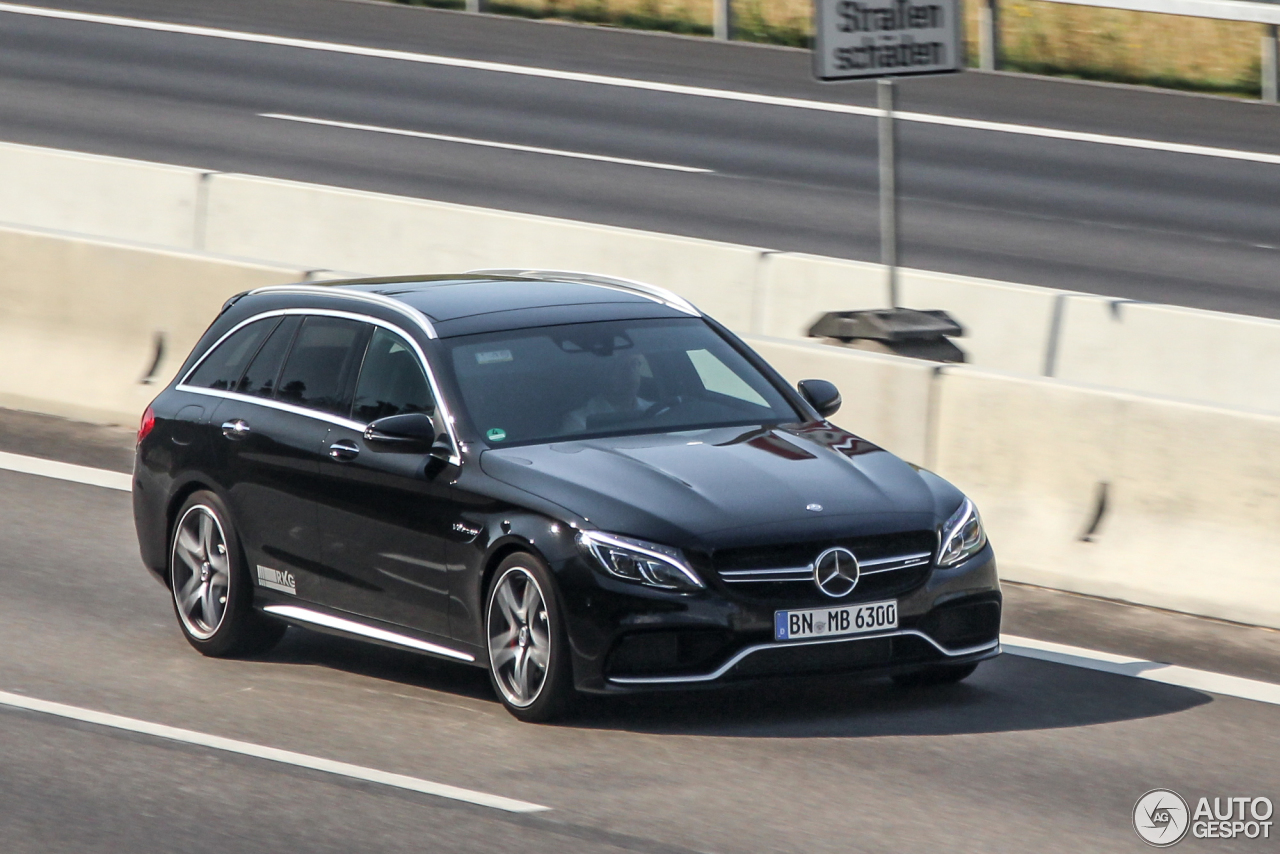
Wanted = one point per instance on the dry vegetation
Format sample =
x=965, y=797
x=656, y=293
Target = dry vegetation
x=1039, y=37
x=1131, y=47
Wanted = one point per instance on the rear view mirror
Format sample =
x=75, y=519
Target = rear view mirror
x=411, y=429
x=822, y=396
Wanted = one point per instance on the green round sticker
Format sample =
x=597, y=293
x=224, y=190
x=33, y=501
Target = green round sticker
x=496, y=434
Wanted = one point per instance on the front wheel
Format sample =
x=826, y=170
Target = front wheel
x=212, y=596
x=528, y=645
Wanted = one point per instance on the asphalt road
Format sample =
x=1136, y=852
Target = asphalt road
x=1139, y=224
x=1025, y=756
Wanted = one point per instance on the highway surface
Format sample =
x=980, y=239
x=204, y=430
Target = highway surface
x=1021, y=204
x=1024, y=756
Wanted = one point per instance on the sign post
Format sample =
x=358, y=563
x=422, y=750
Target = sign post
x=888, y=186
x=884, y=39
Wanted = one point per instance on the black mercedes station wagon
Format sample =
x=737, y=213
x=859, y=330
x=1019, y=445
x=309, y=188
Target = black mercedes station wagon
x=581, y=484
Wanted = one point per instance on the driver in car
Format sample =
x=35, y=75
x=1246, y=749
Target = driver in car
x=621, y=396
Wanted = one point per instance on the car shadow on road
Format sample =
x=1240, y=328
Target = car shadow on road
x=361, y=658
x=1007, y=694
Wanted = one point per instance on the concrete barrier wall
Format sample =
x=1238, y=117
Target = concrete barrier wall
x=1218, y=358
x=886, y=398
x=81, y=318
x=311, y=225
x=101, y=196
x=1143, y=499
x=1008, y=327
x=1204, y=356
x=747, y=288
x=796, y=289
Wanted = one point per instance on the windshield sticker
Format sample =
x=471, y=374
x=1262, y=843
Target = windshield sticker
x=496, y=434
x=491, y=356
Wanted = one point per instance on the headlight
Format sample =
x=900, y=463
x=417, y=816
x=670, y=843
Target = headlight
x=962, y=535
x=636, y=560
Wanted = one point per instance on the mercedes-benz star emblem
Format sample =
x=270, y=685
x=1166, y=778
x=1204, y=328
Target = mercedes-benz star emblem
x=836, y=572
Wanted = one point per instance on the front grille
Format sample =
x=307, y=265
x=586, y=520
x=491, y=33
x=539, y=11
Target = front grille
x=891, y=565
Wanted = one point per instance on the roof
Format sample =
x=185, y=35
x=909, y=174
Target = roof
x=492, y=300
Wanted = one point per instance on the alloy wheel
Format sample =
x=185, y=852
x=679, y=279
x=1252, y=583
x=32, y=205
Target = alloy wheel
x=519, y=637
x=201, y=572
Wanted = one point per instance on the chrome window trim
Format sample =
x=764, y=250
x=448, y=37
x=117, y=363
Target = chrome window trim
x=419, y=319
x=442, y=406
x=993, y=646
x=615, y=283
x=341, y=624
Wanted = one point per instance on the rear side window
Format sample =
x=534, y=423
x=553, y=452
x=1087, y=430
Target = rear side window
x=260, y=378
x=222, y=368
x=322, y=364
x=391, y=381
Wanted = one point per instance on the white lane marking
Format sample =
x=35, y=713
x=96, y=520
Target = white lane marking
x=271, y=754
x=485, y=143
x=66, y=471
x=1099, y=138
x=1138, y=668
x=646, y=85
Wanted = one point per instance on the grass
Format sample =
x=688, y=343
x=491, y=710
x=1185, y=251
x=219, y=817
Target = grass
x=1086, y=42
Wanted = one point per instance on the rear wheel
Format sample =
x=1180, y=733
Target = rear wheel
x=212, y=596
x=528, y=646
x=940, y=674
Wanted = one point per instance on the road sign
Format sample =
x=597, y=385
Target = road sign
x=880, y=38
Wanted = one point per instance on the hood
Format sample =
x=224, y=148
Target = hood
x=726, y=486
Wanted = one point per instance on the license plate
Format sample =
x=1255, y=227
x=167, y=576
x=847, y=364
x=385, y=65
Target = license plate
x=830, y=622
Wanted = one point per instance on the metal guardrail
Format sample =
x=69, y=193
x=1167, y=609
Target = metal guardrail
x=1247, y=11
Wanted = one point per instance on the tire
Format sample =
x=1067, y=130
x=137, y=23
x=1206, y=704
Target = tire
x=940, y=674
x=528, y=646
x=211, y=592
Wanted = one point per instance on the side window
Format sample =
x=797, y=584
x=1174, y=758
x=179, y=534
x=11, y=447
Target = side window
x=223, y=367
x=260, y=378
x=322, y=364
x=391, y=381
x=718, y=377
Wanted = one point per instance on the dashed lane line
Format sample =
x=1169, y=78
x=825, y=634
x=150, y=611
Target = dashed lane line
x=483, y=143
x=271, y=754
x=66, y=471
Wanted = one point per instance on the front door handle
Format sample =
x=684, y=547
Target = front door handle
x=237, y=428
x=344, y=451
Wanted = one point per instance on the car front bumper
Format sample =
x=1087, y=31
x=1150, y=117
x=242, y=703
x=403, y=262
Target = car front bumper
x=626, y=639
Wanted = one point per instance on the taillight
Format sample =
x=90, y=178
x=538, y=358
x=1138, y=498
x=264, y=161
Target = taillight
x=148, y=422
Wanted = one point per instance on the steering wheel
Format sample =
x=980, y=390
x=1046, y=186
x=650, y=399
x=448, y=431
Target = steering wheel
x=663, y=406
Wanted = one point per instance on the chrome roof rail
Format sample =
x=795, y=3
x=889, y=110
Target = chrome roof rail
x=329, y=291
x=653, y=292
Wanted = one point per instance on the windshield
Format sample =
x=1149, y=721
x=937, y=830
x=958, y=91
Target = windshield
x=557, y=383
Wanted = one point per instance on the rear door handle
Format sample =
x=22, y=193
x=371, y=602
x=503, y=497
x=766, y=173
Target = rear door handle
x=344, y=451
x=237, y=428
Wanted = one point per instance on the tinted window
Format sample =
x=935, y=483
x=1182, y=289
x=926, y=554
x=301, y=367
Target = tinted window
x=609, y=378
x=223, y=367
x=322, y=364
x=391, y=381
x=260, y=378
